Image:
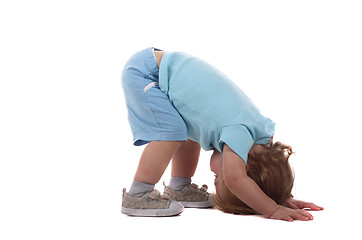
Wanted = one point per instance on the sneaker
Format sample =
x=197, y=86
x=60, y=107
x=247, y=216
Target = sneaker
x=151, y=204
x=190, y=196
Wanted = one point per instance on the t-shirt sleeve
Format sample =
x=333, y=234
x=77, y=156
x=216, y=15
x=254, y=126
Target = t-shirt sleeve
x=238, y=138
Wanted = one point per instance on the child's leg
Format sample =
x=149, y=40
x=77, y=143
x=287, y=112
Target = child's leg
x=184, y=163
x=154, y=160
x=146, y=201
x=153, y=120
x=185, y=159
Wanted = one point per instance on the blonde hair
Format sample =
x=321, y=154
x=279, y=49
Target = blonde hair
x=269, y=167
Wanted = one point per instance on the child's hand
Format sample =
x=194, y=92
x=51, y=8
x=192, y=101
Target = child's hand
x=297, y=204
x=288, y=214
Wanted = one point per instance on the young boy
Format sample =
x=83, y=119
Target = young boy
x=177, y=103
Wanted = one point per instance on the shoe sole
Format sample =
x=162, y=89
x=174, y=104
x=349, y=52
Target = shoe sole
x=174, y=209
x=205, y=204
x=197, y=204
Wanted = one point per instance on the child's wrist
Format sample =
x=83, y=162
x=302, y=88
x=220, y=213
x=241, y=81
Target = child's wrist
x=275, y=208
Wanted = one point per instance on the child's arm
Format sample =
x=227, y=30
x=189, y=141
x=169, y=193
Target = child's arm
x=237, y=180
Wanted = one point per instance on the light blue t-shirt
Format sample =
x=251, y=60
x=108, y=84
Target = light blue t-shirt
x=214, y=109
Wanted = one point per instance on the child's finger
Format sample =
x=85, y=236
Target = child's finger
x=298, y=216
x=306, y=214
x=320, y=208
x=312, y=206
x=315, y=207
x=293, y=206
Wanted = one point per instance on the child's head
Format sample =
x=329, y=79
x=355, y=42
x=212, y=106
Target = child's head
x=269, y=167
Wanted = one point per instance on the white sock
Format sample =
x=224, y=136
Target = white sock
x=178, y=183
x=138, y=189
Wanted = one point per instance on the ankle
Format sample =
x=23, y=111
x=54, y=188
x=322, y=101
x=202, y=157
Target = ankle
x=178, y=183
x=138, y=189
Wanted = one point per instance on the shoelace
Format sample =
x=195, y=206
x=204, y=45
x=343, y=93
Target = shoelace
x=156, y=195
x=203, y=188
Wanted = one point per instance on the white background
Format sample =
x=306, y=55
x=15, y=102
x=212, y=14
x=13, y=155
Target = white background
x=65, y=144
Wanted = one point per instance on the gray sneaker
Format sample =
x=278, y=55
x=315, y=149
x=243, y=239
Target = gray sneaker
x=190, y=196
x=151, y=204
